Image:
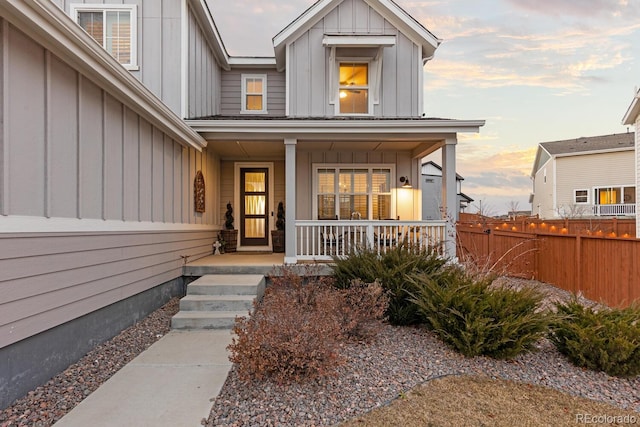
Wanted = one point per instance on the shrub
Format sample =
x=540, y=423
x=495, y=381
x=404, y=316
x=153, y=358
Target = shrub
x=477, y=319
x=361, y=308
x=294, y=334
x=606, y=340
x=391, y=269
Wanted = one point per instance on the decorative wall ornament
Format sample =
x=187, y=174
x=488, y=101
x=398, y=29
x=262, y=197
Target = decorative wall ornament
x=198, y=192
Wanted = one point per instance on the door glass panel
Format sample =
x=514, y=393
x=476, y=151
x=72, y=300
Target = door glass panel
x=254, y=182
x=254, y=205
x=254, y=228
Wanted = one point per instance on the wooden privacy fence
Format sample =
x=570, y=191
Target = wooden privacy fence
x=605, y=269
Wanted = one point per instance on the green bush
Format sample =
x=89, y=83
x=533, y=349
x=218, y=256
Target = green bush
x=295, y=333
x=606, y=340
x=391, y=269
x=477, y=319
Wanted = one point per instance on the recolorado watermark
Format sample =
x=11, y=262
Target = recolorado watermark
x=606, y=419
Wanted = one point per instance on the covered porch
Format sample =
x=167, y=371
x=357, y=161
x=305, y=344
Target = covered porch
x=344, y=183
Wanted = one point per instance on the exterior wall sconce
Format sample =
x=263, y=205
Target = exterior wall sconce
x=405, y=182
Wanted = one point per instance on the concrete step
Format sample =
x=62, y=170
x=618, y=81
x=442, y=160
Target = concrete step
x=217, y=303
x=228, y=284
x=205, y=319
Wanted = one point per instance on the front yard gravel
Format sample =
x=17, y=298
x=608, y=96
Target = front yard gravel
x=399, y=359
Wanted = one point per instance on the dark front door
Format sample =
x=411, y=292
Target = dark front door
x=254, y=196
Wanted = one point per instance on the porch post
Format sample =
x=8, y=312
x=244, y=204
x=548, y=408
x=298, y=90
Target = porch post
x=449, y=194
x=290, y=200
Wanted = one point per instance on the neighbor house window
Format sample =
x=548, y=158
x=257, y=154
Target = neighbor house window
x=353, y=192
x=581, y=196
x=254, y=93
x=113, y=26
x=353, y=89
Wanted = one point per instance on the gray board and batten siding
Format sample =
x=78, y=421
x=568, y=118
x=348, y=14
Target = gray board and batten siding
x=119, y=187
x=159, y=51
x=231, y=91
x=308, y=71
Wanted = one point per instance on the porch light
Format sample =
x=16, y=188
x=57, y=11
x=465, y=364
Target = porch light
x=405, y=181
x=343, y=94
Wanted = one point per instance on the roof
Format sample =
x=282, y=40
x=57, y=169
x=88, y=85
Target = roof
x=633, y=112
x=620, y=141
x=437, y=166
x=387, y=8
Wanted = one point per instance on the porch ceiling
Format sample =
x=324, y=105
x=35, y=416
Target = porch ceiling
x=256, y=150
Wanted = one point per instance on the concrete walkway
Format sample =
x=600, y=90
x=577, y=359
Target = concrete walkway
x=172, y=383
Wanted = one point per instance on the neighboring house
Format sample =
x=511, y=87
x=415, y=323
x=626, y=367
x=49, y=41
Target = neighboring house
x=111, y=113
x=585, y=177
x=632, y=117
x=432, y=191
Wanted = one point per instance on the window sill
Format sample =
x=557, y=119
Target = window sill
x=254, y=112
x=131, y=67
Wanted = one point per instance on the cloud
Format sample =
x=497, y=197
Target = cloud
x=579, y=8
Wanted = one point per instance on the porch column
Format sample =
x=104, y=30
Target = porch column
x=449, y=194
x=290, y=200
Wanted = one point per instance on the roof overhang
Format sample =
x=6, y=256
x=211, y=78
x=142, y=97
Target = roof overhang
x=633, y=112
x=343, y=130
x=252, y=62
x=48, y=25
x=358, y=41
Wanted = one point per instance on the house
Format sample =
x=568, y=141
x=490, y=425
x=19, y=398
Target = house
x=432, y=190
x=126, y=130
x=585, y=177
x=632, y=117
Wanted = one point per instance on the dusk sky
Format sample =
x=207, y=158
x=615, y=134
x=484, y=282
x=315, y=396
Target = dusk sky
x=536, y=71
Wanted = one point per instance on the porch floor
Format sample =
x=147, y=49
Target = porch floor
x=265, y=263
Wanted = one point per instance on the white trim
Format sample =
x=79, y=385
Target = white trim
x=33, y=224
x=287, y=93
x=633, y=112
x=243, y=79
x=133, y=17
x=586, y=153
x=369, y=167
x=358, y=41
x=575, y=201
x=247, y=61
x=184, y=58
x=236, y=198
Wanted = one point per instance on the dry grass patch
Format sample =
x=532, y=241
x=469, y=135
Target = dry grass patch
x=478, y=401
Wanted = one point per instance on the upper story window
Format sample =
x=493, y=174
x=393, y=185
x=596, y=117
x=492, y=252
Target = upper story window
x=354, y=88
x=254, y=93
x=113, y=26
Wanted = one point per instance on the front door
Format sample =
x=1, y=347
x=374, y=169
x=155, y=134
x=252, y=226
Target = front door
x=254, y=198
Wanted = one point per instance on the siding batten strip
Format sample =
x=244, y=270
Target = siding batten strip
x=79, y=147
x=47, y=135
x=122, y=161
x=103, y=136
x=4, y=111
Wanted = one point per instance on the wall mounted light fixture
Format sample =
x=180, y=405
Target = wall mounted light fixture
x=405, y=182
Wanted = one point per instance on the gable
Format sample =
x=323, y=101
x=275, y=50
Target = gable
x=356, y=17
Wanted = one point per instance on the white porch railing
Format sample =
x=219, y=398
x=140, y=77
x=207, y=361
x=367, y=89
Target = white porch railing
x=626, y=209
x=320, y=240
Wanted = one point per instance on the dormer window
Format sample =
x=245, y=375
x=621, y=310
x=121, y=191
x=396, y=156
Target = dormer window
x=354, y=88
x=113, y=26
x=254, y=94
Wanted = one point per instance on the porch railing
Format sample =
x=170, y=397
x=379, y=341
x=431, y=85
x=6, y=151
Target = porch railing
x=626, y=209
x=321, y=240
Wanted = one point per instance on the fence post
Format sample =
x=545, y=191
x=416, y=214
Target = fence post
x=578, y=275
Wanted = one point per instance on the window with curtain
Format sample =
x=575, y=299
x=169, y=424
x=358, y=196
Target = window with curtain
x=112, y=27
